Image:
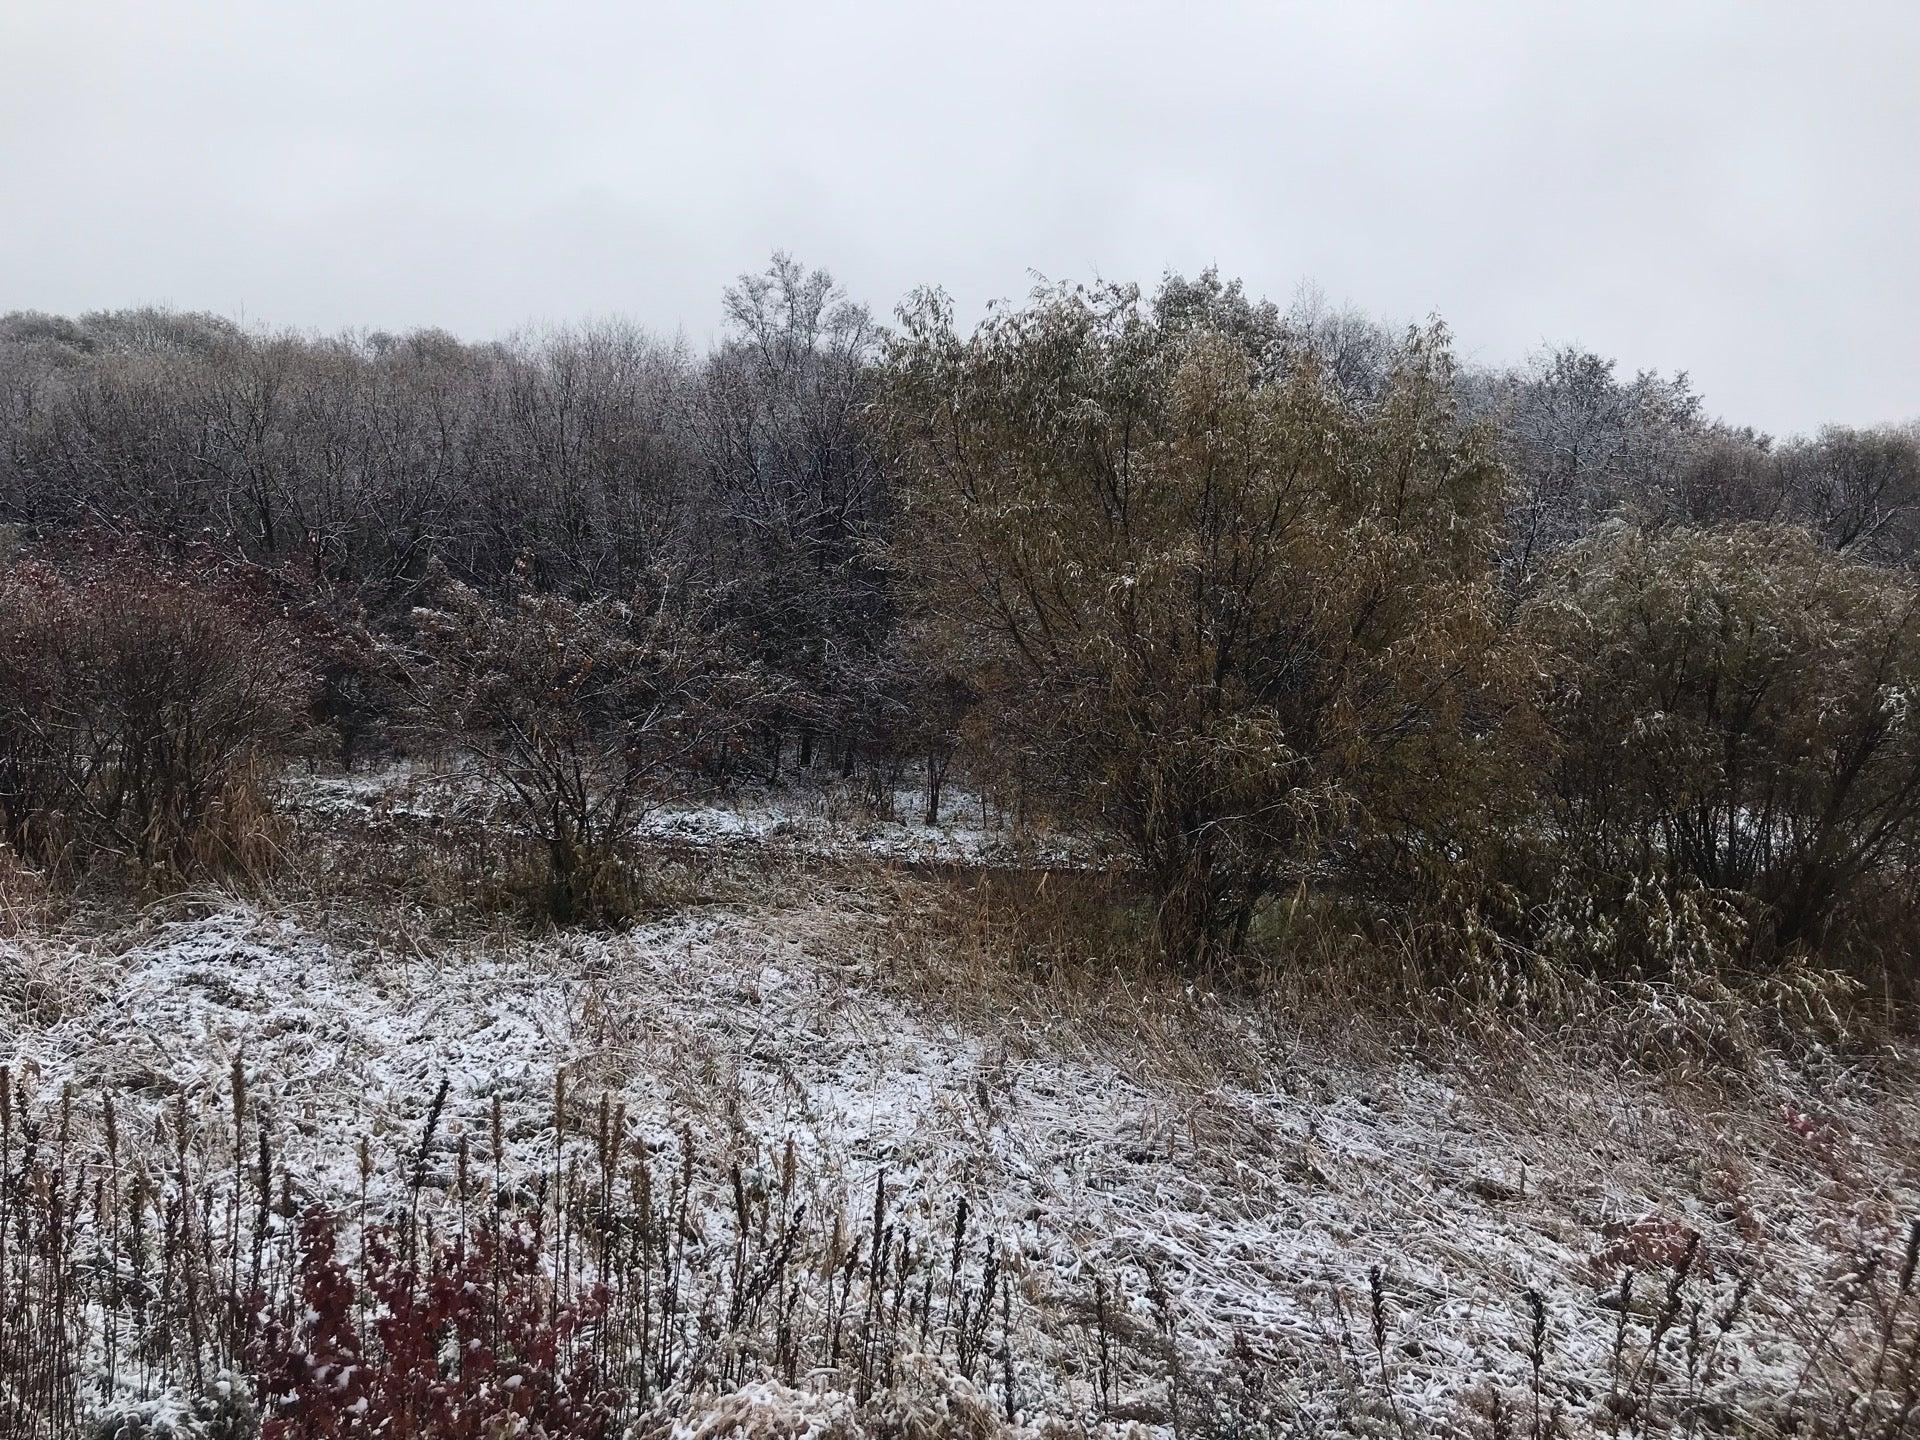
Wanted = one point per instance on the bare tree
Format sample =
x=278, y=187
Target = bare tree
x=1858, y=490
x=780, y=418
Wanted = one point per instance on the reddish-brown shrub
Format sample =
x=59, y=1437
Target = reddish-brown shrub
x=465, y=1342
x=140, y=701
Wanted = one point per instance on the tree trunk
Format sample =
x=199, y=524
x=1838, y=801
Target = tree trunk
x=562, y=902
x=936, y=782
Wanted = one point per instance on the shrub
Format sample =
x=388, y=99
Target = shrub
x=1211, y=604
x=1733, y=709
x=577, y=716
x=140, y=706
x=474, y=1345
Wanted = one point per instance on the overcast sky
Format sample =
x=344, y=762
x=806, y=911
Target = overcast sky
x=1727, y=188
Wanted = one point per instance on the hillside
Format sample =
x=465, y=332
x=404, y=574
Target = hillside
x=1213, y=1214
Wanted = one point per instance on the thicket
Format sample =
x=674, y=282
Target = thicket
x=1540, y=664
x=145, y=710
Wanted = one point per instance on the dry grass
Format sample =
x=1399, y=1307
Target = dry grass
x=1191, y=1186
x=467, y=1289
x=1280, y=1240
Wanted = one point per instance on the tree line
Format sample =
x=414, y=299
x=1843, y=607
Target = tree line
x=1545, y=656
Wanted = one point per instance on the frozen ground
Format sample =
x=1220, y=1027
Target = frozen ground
x=817, y=820
x=1252, y=1173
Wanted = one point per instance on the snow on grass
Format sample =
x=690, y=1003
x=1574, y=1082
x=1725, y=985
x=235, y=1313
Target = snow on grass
x=1257, y=1198
x=829, y=820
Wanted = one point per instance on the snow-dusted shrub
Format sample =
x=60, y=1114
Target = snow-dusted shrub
x=140, y=703
x=1735, y=709
x=577, y=717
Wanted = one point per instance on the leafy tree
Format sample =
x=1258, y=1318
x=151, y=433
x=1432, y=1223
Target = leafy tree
x=1209, y=603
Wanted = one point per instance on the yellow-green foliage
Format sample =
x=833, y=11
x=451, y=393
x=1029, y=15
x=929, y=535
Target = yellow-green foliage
x=1215, y=605
x=1735, y=707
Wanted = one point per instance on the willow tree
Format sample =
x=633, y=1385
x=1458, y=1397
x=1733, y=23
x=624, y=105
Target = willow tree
x=1211, y=606
x=1738, y=708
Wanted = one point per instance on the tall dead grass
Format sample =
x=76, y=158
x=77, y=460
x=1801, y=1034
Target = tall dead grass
x=168, y=1269
x=1070, y=953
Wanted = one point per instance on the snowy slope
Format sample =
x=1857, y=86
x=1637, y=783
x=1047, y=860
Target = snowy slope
x=1258, y=1197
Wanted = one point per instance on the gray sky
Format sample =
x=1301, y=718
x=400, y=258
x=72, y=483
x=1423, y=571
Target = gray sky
x=1728, y=188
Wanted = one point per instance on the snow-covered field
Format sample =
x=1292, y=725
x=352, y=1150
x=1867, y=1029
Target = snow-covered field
x=1238, y=1178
